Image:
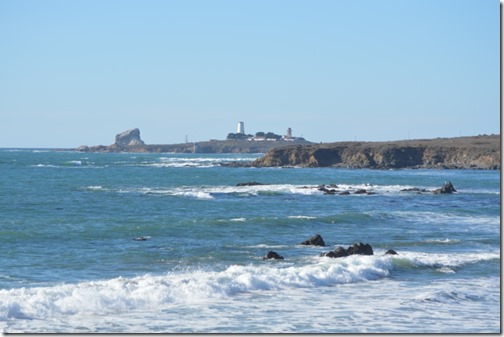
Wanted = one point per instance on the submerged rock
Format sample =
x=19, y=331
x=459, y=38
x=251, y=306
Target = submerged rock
x=390, y=252
x=446, y=189
x=252, y=183
x=324, y=189
x=273, y=255
x=414, y=189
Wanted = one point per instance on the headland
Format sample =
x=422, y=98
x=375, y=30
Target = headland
x=474, y=152
x=130, y=141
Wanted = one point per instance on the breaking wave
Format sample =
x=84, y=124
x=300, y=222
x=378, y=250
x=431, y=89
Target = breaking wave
x=210, y=192
x=124, y=294
x=156, y=292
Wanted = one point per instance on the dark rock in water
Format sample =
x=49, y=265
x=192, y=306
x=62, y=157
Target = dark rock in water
x=360, y=191
x=338, y=252
x=446, y=189
x=344, y=193
x=315, y=240
x=141, y=238
x=360, y=249
x=414, y=189
x=252, y=183
x=326, y=190
x=273, y=255
x=356, y=249
x=391, y=252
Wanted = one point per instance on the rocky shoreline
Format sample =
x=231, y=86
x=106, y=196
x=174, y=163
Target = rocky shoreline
x=477, y=152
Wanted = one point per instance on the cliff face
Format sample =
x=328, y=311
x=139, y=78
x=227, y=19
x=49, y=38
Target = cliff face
x=479, y=152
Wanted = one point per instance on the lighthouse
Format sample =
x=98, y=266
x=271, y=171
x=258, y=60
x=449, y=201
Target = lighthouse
x=240, y=128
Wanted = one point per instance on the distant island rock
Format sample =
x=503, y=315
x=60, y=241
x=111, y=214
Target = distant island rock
x=129, y=138
x=477, y=152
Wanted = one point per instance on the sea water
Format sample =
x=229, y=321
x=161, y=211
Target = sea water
x=108, y=242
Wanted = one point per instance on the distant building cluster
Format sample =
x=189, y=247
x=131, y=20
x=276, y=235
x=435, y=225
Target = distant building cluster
x=260, y=136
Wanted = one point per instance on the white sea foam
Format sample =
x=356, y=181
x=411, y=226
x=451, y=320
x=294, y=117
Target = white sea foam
x=440, y=261
x=315, y=290
x=262, y=245
x=193, y=194
x=95, y=188
x=209, y=192
x=238, y=219
x=199, y=162
x=44, y=165
x=443, y=241
x=196, y=286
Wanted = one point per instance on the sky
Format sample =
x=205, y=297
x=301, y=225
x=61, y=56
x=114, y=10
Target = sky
x=79, y=72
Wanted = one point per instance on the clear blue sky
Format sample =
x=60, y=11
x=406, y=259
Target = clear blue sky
x=77, y=72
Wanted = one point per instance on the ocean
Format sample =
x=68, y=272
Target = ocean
x=168, y=243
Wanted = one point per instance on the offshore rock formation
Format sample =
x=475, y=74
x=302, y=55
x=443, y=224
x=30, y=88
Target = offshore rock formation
x=446, y=189
x=355, y=249
x=124, y=141
x=129, y=138
x=478, y=152
x=315, y=240
x=273, y=255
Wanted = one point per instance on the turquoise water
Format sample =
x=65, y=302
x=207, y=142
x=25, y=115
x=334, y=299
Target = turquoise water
x=70, y=261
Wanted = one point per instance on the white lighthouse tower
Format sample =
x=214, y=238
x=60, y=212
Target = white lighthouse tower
x=240, y=128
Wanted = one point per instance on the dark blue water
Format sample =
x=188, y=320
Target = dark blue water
x=72, y=260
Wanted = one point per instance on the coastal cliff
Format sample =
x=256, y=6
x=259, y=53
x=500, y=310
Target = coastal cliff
x=478, y=152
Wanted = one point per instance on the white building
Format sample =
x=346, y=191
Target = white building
x=240, y=128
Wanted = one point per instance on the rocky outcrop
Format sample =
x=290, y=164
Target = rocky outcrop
x=356, y=249
x=479, y=152
x=315, y=240
x=333, y=189
x=446, y=189
x=273, y=255
x=129, y=138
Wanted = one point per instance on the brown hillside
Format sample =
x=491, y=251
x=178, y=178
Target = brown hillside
x=478, y=152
